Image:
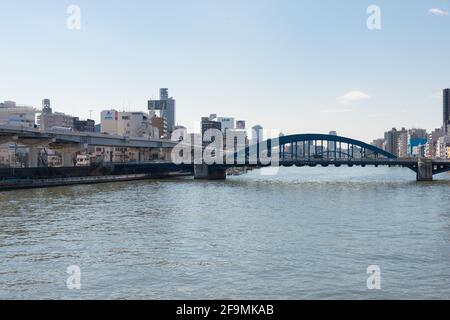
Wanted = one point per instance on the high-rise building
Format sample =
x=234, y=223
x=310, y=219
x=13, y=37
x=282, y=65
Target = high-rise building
x=432, y=140
x=164, y=94
x=390, y=144
x=209, y=124
x=257, y=134
x=167, y=109
x=402, y=144
x=446, y=108
x=391, y=140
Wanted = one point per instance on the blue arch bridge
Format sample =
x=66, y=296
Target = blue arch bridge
x=303, y=150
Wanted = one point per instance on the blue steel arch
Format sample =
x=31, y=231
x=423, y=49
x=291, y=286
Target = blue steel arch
x=315, y=137
x=283, y=140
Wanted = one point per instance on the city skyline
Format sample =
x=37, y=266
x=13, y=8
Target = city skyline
x=316, y=69
x=46, y=105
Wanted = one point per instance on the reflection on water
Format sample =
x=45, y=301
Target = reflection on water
x=304, y=233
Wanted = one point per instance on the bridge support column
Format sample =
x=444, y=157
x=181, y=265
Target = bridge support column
x=167, y=154
x=68, y=156
x=33, y=154
x=206, y=172
x=425, y=170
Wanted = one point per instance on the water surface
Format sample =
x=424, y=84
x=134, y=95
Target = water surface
x=305, y=233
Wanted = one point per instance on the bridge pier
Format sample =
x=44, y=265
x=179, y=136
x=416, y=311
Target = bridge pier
x=207, y=172
x=68, y=155
x=33, y=153
x=425, y=170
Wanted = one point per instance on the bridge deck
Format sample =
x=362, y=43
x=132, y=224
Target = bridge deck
x=438, y=165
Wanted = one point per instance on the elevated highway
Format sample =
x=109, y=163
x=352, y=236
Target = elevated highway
x=14, y=133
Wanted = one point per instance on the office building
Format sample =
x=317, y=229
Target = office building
x=432, y=140
x=226, y=123
x=55, y=120
x=443, y=148
x=417, y=138
x=83, y=125
x=134, y=124
x=129, y=124
x=166, y=106
x=109, y=121
x=208, y=124
x=257, y=134
x=402, y=144
x=16, y=115
x=446, y=109
x=391, y=140
x=160, y=124
x=49, y=120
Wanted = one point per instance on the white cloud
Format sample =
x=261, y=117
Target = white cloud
x=437, y=95
x=438, y=12
x=353, y=96
x=334, y=111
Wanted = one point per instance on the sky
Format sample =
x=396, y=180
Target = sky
x=298, y=66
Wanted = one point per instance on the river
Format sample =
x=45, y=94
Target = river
x=305, y=233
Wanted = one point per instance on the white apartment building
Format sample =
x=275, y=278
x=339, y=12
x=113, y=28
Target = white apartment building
x=403, y=145
x=109, y=121
x=443, y=148
x=130, y=124
x=15, y=115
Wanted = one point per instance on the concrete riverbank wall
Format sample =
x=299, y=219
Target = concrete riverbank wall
x=55, y=182
x=21, y=178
